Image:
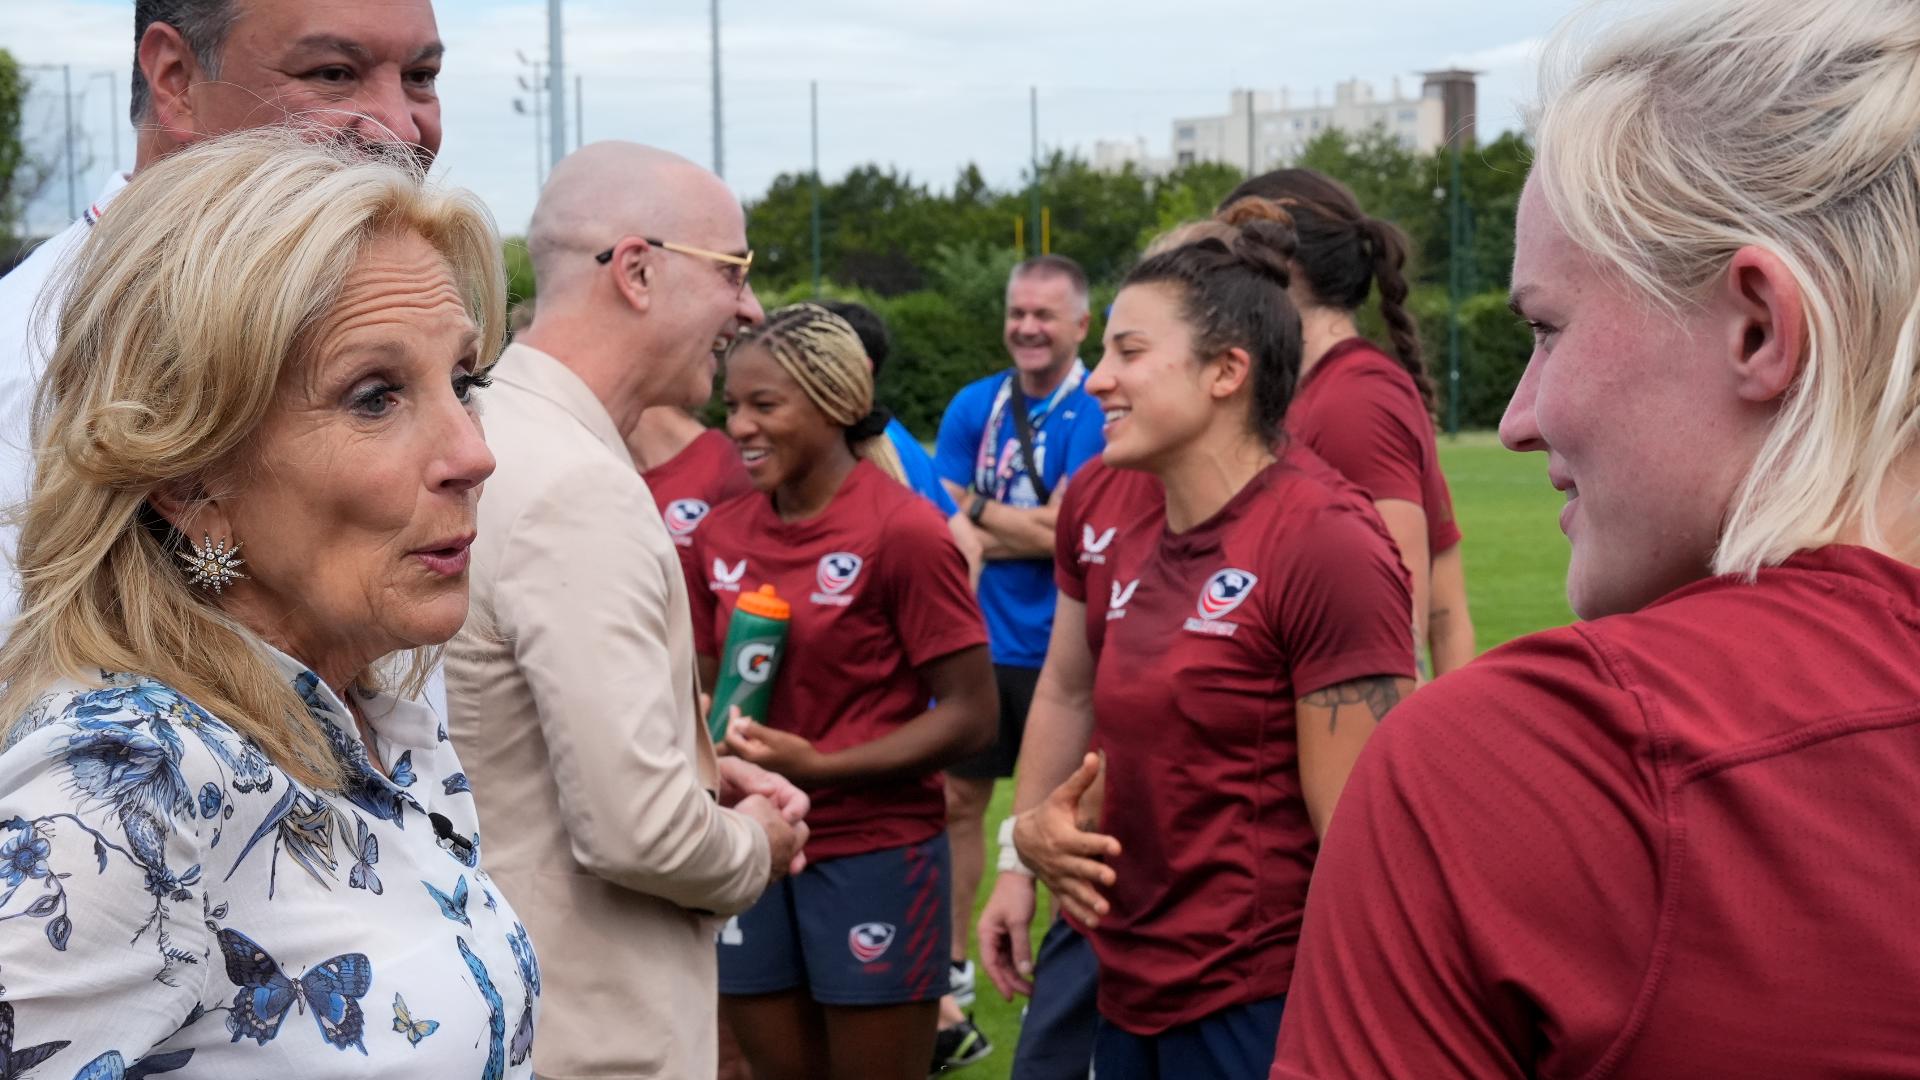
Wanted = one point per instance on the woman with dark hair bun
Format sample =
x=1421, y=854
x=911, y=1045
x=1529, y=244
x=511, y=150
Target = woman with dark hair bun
x=1251, y=635
x=1368, y=414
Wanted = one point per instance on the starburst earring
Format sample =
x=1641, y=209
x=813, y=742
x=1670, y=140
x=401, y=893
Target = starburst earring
x=213, y=566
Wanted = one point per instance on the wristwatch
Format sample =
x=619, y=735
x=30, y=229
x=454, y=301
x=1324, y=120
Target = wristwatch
x=977, y=509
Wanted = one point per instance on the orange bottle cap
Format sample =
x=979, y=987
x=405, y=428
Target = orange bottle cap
x=766, y=603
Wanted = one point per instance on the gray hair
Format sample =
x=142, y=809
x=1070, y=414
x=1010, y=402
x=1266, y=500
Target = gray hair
x=1059, y=266
x=203, y=25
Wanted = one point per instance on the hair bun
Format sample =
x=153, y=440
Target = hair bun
x=1251, y=208
x=871, y=426
x=1266, y=237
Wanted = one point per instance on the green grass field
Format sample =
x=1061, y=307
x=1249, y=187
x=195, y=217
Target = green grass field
x=1516, y=568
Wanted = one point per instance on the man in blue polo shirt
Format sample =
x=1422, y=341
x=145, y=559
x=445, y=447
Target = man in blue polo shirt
x=1007, y=445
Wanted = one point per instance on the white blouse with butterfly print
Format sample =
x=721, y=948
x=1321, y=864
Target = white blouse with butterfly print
x=171, y=901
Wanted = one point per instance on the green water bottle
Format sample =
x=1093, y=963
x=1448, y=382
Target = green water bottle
x=750, y=660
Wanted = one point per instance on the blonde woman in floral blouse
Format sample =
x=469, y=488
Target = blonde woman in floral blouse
x=226, y=848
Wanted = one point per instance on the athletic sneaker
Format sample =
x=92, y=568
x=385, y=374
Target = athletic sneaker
x=960, y=983
x=958, y=1047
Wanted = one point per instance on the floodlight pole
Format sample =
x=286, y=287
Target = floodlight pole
x=557, y=90
x=1456, y=285
x=66, y=101
x=719, y=153
x=1251, y=168
x=815, y=91
x=1033, y=122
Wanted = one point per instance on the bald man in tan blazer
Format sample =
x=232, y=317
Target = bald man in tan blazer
x=603, y=809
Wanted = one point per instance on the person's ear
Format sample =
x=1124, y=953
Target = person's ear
x=1763, y=320
x=1231, y=370
x=171, y=70
x=632, y=267
x=194, y=516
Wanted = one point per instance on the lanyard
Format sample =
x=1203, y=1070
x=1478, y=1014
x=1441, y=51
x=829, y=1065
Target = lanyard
x=986, y=470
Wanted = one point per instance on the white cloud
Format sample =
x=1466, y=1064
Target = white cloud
x=927, y=86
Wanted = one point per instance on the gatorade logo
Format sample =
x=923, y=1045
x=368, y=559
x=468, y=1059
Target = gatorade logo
x=869, y=941
x=754, y=663
x=836, y=574
x=683, y=516
x=1093, y=545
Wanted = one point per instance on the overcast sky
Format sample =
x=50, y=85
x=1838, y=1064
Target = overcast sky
x=926, y=85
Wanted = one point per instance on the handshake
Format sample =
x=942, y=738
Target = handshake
x=775, y=804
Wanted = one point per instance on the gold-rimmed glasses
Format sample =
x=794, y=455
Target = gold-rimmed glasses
x=734, y=267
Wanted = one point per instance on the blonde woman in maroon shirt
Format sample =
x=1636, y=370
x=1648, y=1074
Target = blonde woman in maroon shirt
x=1675, y=839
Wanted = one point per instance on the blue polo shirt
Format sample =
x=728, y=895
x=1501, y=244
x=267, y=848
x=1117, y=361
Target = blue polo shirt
x=919, y=469
x=1016, y=595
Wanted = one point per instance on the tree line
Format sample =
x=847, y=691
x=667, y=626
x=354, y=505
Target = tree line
x=934, y=262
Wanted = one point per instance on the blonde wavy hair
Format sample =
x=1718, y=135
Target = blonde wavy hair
x=1680, y=132
x=209, y=280
x=822, y=352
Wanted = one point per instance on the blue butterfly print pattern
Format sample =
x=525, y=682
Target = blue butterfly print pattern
x=403, y=771
x=453, y=907
x=365, y=788
x=405, y=1024
x=366, y=852
x=17, y=1063
x=455, y=784
x=331, y=990
x=111, y=1066
x=496, y=1018
x=529, y=967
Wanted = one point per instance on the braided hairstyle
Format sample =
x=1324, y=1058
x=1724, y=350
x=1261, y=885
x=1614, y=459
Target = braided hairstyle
x=820, y=351
x=1344, y=253
x=1232, y=275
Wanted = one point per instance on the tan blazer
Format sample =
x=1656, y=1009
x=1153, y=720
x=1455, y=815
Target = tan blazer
x=572, y=706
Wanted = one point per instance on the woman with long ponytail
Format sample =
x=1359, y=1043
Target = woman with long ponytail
x=1368, y=413
x=838, y=970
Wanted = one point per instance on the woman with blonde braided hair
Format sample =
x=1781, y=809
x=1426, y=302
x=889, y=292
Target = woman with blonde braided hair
x=838, y=971
x=822, y=353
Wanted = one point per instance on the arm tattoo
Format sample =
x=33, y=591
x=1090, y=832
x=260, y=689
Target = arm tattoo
x=1379, y=693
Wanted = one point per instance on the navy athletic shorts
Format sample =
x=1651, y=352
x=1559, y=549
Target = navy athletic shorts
x=1056, y=1037
x=1232, y=1044
x=859, y=930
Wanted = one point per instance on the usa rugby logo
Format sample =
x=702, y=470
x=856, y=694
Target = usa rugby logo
x=685, y=515
x=869, y=941
x=1093, y=545
x=838, y=572
x=1225, y=591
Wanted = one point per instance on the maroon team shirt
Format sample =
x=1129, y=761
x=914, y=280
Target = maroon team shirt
x=687, y=486
x=1098, y=502
x=1211, y=634
x=1674, y=843
x=878, y=589
x=1361, y=412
